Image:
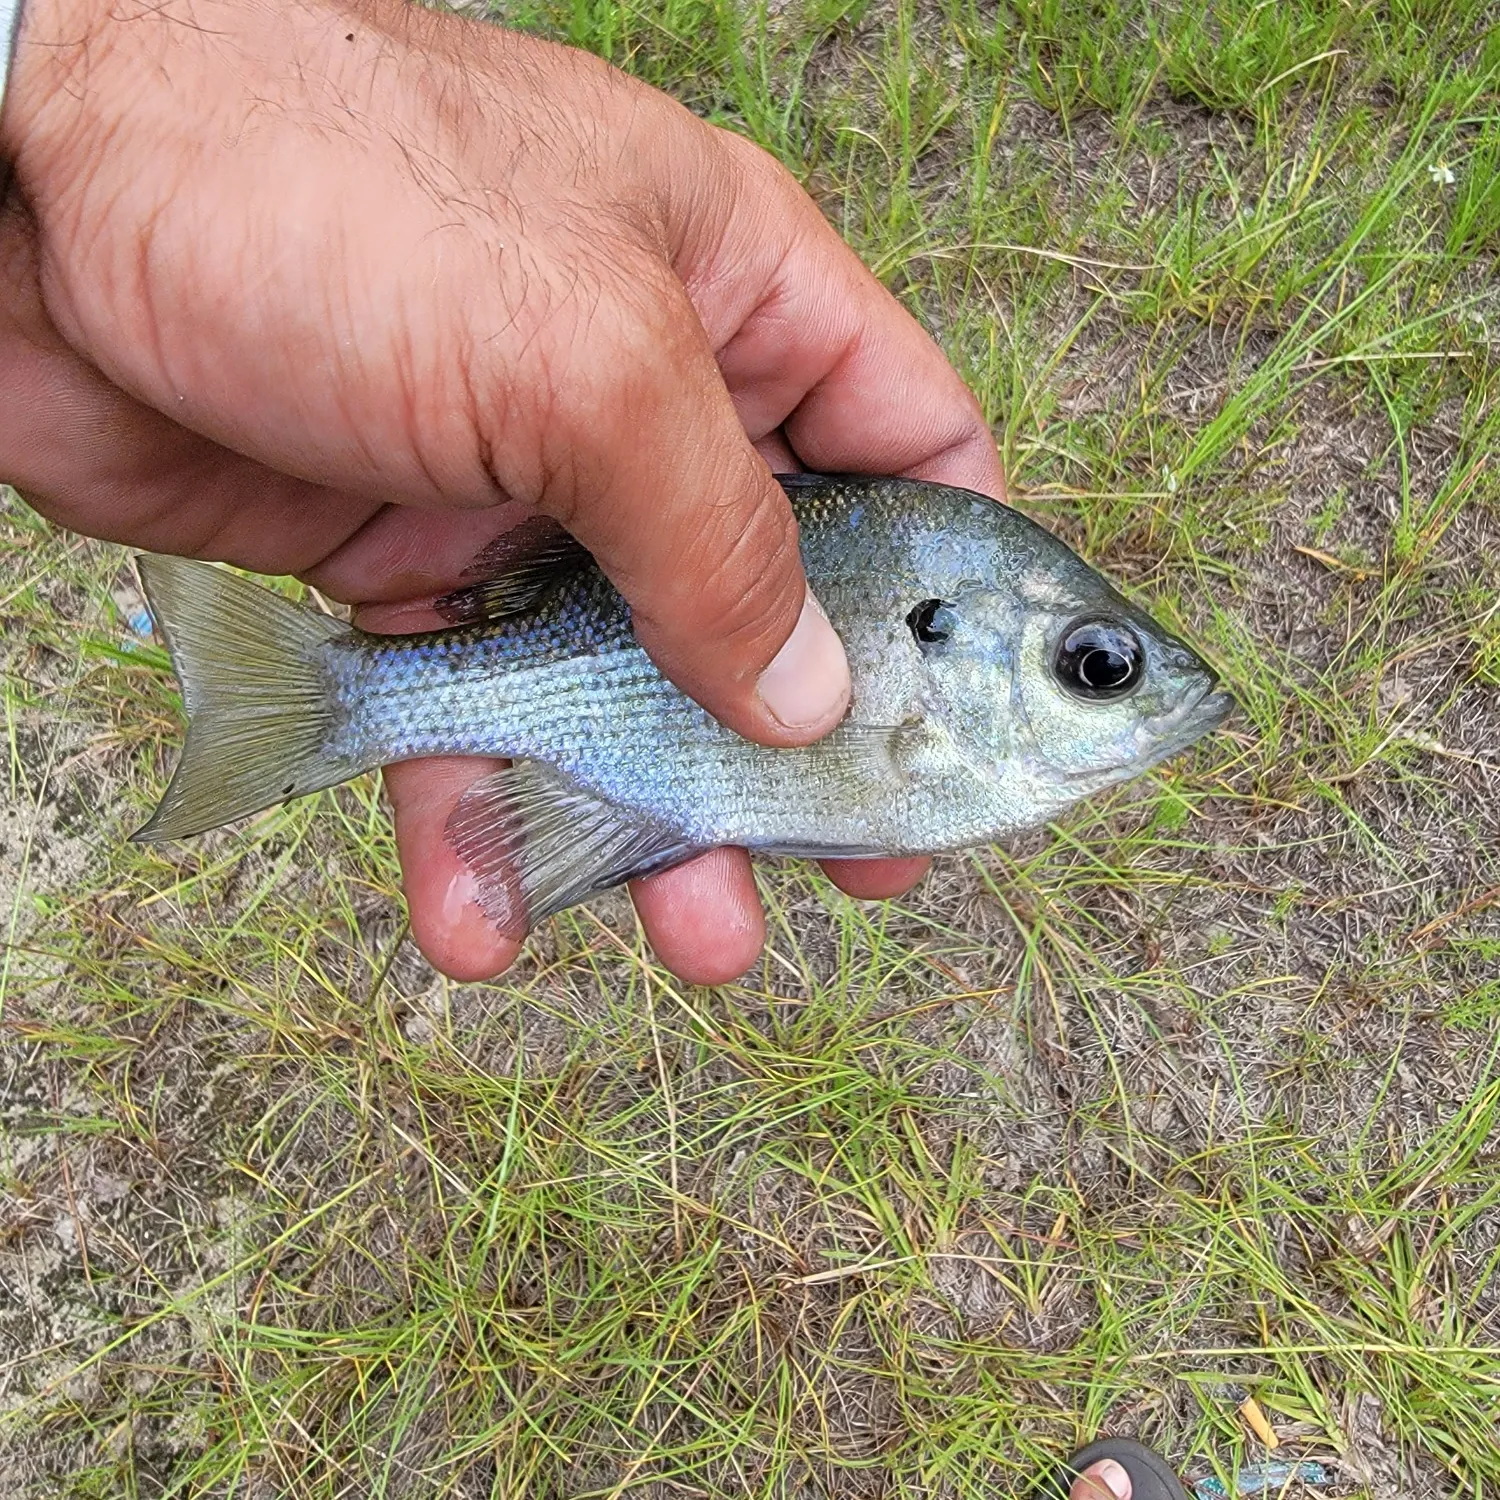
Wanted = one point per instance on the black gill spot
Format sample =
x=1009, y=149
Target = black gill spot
x=931, y=622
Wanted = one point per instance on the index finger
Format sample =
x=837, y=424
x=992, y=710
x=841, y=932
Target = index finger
x=809, y=341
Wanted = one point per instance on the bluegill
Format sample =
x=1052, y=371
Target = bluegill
x=997, y=680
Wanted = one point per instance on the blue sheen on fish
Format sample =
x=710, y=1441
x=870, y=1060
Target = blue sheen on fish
x=997, y=679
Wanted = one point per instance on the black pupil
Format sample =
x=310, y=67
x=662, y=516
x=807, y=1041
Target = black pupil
x=927, y=623
x=1099, y=659
x=1103, y=668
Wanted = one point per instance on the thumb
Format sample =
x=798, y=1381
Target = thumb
x=684, y=517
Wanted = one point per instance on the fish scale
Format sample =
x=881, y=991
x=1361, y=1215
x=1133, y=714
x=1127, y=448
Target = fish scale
x=961, y=730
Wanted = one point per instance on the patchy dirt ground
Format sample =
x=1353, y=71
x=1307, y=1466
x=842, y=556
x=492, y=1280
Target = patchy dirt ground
x=1190, y=1101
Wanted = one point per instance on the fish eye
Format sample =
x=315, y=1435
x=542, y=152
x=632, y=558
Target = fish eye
x=1099, y=659
x=932, y=622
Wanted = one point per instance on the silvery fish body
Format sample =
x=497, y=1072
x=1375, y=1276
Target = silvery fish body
x=997, y=679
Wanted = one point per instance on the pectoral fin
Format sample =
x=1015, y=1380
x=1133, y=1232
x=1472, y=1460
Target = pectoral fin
x=537, y=845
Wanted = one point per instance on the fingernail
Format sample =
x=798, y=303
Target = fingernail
x=1112, y=1476
x=806, y=687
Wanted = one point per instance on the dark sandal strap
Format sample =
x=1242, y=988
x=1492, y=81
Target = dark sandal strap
x=1150, y=1476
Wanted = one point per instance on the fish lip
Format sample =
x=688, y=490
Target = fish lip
x=1208, y=709
x=1190, y=720
x=1205, y=710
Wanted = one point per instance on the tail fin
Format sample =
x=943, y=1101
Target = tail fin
x=259, y=705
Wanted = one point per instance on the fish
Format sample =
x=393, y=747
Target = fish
x=998, y=680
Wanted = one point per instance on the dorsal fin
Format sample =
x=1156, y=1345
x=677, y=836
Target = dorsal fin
x=514, y=573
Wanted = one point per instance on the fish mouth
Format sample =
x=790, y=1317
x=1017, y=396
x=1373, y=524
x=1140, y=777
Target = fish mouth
x=1164, y=736
x=1205, y=710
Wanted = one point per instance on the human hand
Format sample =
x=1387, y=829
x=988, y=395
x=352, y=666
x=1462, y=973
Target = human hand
x=345, y=290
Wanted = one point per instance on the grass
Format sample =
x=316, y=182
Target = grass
x=1191, y=1099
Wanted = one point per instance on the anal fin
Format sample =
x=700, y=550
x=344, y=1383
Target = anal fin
x=537, y=844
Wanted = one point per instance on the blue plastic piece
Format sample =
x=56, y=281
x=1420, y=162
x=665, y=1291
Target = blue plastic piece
x=1265, y=1479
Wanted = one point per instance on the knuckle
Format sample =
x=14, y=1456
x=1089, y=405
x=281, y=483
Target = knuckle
x=966, y=434
x=741, y=181
x=755, y=164
x=636, y=351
